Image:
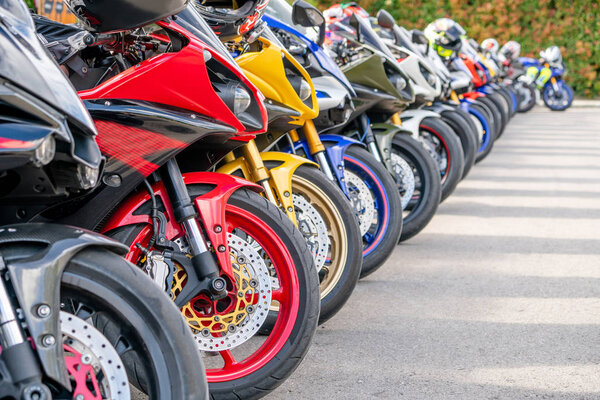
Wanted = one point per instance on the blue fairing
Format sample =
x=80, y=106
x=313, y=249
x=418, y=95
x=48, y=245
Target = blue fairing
x=529, y=62
x=324, y=60
x=335, y=147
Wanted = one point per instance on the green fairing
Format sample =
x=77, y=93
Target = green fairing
x=370, y=72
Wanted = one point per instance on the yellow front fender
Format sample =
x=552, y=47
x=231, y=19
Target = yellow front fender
x=280, y=176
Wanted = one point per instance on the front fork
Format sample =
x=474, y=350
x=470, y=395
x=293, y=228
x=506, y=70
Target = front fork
x=207, y=279
x=22, y=367
x=315, y=146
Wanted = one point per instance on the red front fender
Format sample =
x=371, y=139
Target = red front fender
x=210, y=206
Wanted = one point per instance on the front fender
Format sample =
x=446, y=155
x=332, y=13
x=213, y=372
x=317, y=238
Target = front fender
x=384, y=134
x=210, y=206
x=280, y=175
x=36, y=281
x=335, y=148
x=411, y=119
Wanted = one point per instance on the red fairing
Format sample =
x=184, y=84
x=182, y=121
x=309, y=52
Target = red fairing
x=211, y=207
x=177, y=79
x=475, y=78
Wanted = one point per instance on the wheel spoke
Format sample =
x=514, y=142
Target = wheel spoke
x=228, y=358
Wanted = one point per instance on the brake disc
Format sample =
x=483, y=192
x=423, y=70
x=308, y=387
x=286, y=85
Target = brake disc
x=405, y=178
x=91, y=359
x=313, y=228
x=362, y=200
x=229, y=322
x=431, y=144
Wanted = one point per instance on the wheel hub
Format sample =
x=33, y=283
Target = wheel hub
x=92, y=361
x=405, y=178
x=227, y=323
x=362, y=201
x=432, y=144
x=313, y=228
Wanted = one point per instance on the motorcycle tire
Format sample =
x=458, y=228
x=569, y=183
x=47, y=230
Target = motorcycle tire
x=502, y=107
x=468, y=141
x=509, y=96
x=282, y=350
x=548, y=93
x=526, y=100
x=339, y=276
x=451, y=159
x=371, y=188
x=495, y=113
x=480, y=114
x=428, y=191
x=141, y=323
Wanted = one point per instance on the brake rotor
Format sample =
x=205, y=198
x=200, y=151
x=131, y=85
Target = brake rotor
x=431, y=144
x=362, y=200
x=92, y=361
x=313, y=228
x=227, y=323
x=405, y=178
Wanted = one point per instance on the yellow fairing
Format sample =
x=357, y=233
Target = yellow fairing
x=280, y=178
x=488, y=65
x=266, y=70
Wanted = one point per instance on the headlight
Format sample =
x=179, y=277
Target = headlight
x=301, y=87
x=45, y=151
x=241, y=100
x=398, y=82
x=87, y=176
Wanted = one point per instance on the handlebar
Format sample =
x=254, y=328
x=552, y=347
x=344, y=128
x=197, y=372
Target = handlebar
x=100, y=39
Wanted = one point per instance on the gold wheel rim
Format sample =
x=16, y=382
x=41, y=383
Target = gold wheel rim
x=338, y=251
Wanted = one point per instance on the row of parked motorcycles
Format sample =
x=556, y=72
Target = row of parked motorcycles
x=190, y=189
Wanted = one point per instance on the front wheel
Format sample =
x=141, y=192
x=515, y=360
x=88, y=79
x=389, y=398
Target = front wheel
x=558, y=100
x=273, y=267
x=469, y=139
x=114, y=316
x=445, y=148
x=375, y=200
x=525, y=95
x=418, y=181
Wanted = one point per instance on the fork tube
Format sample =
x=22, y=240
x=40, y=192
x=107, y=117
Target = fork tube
x=316, y=148
x=259, y=173
x=11, y=332
x=369, y=137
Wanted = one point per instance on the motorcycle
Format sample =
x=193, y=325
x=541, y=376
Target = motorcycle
x=222, y=252
x=405, y=163
x=78, y=321
x=548, y=74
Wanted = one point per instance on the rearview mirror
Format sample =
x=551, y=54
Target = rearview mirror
x=355, y=24
x=419, y=37
x=306, y=14
x=385, y=19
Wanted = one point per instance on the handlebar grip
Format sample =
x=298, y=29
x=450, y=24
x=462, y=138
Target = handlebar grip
x=104, y=39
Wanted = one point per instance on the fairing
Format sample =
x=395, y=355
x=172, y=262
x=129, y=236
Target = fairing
x=25, y=63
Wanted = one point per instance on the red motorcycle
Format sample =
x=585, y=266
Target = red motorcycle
x=167, y=100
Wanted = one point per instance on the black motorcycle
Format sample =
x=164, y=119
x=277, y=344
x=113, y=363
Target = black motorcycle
x=77, y=321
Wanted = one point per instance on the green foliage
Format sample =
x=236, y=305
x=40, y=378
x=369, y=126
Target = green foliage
x=573, y=25
x=30, y=3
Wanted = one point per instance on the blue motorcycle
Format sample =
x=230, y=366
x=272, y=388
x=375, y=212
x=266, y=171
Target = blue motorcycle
x=548, y=74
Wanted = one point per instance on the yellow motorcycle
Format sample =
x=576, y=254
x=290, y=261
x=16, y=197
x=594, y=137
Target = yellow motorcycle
x=319, y=208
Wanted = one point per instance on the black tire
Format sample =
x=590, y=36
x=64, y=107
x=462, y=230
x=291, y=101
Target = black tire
x=507, y=93
x=502, y=107
x=430, y=190
x=449, y=144
x=496, y=115
x=376, y=256
x=141, y=322
x=520, y=87
x=468, y=141
x=484, y=112
x=274, y=372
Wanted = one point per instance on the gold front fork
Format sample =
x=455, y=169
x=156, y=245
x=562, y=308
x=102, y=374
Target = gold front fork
x=454, y=97
x=316, y=148
x=256, y=167
x=396, y=119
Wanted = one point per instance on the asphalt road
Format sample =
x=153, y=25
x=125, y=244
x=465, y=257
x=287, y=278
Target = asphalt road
x=498, y=298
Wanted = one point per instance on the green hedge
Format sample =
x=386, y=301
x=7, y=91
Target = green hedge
x=574, y=25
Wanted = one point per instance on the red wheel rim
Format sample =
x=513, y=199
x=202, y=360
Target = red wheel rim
x=288, y=293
